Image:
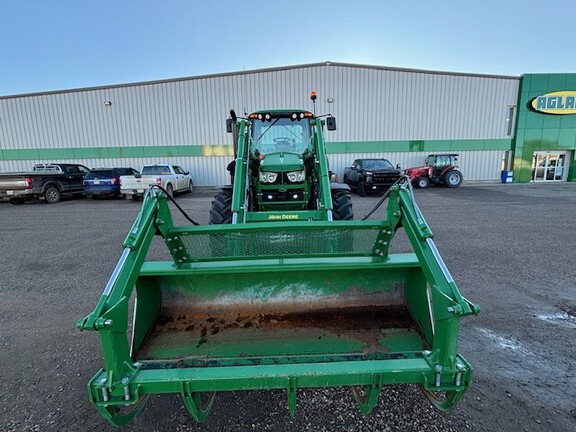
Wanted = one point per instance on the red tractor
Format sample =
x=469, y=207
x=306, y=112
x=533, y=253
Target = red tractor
x=440, y=169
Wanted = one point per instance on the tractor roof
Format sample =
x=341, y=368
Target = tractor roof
x=281, y=111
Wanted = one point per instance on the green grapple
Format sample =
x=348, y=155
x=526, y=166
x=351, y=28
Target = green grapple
x=283, y=290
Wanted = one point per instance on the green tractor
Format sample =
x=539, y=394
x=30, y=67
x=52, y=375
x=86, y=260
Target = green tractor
x=280, y=171
x=276, y=293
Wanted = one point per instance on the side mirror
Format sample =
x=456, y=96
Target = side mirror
x=229, y=125
x=398, y=167
x=331, y=123
x=138, y=175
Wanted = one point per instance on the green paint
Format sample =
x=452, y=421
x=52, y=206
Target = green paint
x=402, y=340
x=537, y=131
x=347, y=147
x=250, y=343
x=102, y=152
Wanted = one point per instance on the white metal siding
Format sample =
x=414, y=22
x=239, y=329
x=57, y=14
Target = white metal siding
x=371, y=104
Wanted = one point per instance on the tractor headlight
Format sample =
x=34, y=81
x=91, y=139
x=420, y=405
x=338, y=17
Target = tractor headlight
x=296, y=176
x=268, y=177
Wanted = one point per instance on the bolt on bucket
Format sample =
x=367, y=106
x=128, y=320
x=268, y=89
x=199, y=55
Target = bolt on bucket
x=278, y=306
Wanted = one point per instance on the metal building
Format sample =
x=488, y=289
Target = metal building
x=399, y=114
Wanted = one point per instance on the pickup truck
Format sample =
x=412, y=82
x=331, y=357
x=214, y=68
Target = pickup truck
x=171, y=177
x=45, y=181
x=371, y=175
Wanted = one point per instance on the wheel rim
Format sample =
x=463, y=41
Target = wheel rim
x=453, y=179
x=422, y=183
x=52, y=195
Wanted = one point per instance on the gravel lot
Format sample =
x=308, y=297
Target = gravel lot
x=511, y=249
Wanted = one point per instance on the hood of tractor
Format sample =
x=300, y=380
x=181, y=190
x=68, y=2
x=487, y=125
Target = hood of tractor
x=412, y=170
x=281, y=162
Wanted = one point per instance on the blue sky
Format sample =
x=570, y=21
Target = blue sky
x=63, y=44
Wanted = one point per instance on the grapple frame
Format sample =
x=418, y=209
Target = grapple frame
x=278, y=305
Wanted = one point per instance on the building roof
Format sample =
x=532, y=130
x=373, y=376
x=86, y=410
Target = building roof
x=263, y=70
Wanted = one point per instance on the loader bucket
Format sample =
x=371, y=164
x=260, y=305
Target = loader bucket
x=279, y=305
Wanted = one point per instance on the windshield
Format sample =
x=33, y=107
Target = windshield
x=280, y=135
x=377, y=164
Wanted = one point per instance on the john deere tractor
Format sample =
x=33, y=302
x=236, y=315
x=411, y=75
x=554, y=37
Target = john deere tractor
x=280, y=171
x=276, y=294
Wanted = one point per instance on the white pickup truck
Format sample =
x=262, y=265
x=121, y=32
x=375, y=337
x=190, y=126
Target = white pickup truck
x=171, y=177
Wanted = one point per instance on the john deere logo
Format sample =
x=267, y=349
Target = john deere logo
x=560, y=102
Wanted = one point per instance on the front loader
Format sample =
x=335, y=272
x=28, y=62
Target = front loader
x=277, y=303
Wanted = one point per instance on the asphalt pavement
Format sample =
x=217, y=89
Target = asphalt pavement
x=510, y=248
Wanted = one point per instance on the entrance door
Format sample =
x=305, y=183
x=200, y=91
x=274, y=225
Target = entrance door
x=549, y=166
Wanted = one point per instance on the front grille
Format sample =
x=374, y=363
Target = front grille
x=278, y=196
x=385, y=178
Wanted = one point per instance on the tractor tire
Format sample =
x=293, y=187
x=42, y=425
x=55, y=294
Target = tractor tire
x=361, y=189
x=52, y=195
x=221, y=211
x=342, y=205
x=422, y=182
x=453, y=178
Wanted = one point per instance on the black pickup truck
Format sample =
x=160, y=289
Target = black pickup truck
x=371, y=175
x=45, y=181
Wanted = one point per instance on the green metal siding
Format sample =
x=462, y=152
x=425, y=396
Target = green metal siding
x=349, y=147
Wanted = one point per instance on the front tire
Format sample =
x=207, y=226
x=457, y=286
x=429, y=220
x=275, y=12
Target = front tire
x=453, y=179
x=422, y=182
x=190, y=187
x=342, y=205
x=221, y=211
x=52, y=195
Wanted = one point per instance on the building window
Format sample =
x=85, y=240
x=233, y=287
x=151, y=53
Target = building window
x=510, y=120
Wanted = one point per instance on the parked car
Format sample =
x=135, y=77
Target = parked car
x=46, y=181
x=371, y=175
x=105, y=182
x=171, y=177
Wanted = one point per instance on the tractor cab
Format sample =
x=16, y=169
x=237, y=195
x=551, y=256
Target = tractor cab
x=280, y=132
x=441, y=162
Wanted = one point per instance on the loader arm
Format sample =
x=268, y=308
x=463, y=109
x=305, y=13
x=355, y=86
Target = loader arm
x=242, y=173
x=322, y=161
